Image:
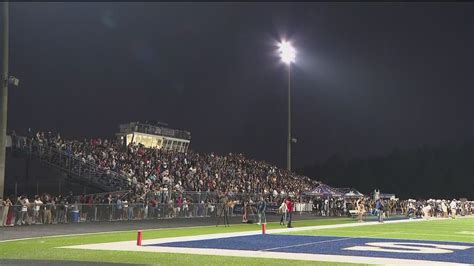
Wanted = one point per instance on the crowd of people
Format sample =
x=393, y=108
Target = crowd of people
x=152, y=169
x=167, y=184
x=411, y=208
x=47, y=209
x=440, y=208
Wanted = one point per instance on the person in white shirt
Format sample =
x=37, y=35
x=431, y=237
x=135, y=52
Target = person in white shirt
x=36, y=209
x=426, y=211
x=24, y=211
x=444, y=207
x=283, y=209
x=453, y=206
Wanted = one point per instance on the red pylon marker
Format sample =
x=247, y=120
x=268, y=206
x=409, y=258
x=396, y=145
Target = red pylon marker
x=139, y=238
x=264, y=228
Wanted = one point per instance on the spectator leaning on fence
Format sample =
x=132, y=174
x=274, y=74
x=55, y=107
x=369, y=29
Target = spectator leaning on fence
x=36, y=210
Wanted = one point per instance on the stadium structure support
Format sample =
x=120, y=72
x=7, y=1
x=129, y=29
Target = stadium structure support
x=4, y=100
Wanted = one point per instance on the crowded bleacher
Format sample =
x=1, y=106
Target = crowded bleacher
x=164, y=183
x=153, y=169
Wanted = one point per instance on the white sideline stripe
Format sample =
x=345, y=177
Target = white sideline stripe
x=132, y=246
x=113, y=232
x=256, y=232
x=314, y=227
x=203, y=226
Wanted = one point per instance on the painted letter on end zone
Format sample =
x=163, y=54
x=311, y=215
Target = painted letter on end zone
x=399, y=247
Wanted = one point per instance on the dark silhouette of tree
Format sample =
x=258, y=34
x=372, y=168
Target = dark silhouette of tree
x=444, y=171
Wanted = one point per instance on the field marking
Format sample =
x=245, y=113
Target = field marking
x=252, y=232
x=143, y=230
x=201, y=226
x=324, y=241
x=308, y=244
x=148, y=246
x=466, y=233
x=131, y=246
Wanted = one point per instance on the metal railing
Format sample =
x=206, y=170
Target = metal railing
x=17, y=215
x=81, y=171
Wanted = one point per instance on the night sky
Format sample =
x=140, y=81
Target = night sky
x=369, y=77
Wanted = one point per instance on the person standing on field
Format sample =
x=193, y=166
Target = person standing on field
x=261, y=208
x=360, y=209
x=426, y=211
x=380, y=209
x=290, y=206
x=453, y=206
x=283, y=209
x=444, y=207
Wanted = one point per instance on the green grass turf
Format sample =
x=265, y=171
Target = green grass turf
x=441, y=230
x=45, y=248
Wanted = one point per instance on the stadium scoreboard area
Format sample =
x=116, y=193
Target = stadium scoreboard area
x=155, y=136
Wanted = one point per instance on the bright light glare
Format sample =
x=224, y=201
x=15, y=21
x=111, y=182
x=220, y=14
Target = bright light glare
x=287, y=52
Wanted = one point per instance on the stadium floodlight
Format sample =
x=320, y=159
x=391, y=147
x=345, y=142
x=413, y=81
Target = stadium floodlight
x=287, y=52
x=288, y=55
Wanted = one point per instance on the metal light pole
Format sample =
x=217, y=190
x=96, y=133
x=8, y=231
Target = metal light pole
x=287, y=55
x=288, y=150
x=4, y=100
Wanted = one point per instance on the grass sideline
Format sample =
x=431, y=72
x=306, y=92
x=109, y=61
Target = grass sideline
x=44, y=248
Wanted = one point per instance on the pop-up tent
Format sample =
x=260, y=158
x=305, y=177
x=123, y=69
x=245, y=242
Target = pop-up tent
x=350, y=193
x=324, y=190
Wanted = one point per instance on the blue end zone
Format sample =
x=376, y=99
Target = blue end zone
x=327, y=245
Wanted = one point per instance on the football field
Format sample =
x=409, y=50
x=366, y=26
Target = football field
x=341, y=241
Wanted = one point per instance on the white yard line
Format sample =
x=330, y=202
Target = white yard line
x=326, y=241
x=308, y=244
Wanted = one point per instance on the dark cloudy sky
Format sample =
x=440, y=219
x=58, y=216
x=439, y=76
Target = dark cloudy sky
x=369, y=77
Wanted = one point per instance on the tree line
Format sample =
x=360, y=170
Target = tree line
x=444, y=171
